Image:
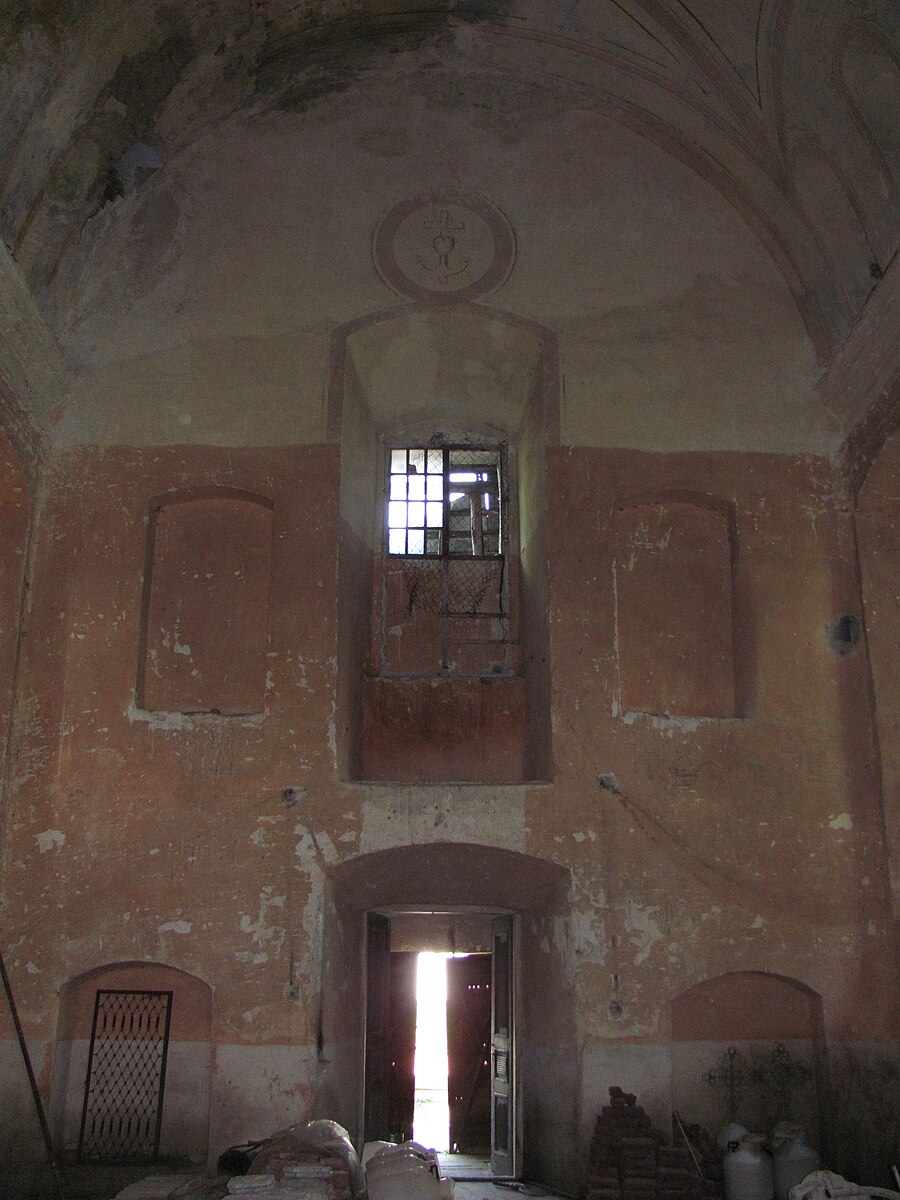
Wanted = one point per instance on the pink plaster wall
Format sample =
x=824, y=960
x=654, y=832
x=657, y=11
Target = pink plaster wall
x=749, y=1005
x=695, y=846
x=673, y=563
x=14, y=516
x=878, y=525
x=206, y=601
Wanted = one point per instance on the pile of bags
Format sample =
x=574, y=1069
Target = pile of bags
x=314, y=1160
x=404, y=1172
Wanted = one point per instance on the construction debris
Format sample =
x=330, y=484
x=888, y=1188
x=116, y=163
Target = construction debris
x=631, y=1160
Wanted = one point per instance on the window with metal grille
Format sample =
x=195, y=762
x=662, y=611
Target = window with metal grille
x=445, y=502
x=445, y=605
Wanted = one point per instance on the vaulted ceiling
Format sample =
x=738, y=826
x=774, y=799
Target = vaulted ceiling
x=704, y=198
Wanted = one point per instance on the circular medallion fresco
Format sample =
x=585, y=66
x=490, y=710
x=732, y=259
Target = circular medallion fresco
x=445, y=245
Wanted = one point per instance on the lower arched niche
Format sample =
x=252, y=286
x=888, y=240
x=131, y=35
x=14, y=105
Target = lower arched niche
x=184, y=1130
x=774, y=1026
x=469, y=878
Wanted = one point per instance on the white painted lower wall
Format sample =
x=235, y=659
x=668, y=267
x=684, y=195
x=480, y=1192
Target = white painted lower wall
x=698, y=1101
x=259, y=1090
x=549, y=1099
x=20, y=1131
x=185, y=1123
x=645, y=1070
x=24, y=1166
x=242, y=1093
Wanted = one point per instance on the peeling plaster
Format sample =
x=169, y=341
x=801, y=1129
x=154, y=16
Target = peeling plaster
x=185, y=722
x=50, y=838
x=416, y=814
x=669, y=725
x=260, y=932
x=641, y=922
x=314, y=847
x=160, y=720
x=261, y=836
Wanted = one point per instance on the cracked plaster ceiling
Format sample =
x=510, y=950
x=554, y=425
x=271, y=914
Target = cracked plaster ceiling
x=704, y=198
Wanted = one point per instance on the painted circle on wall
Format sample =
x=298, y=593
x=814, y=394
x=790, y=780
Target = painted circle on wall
x=444, y=245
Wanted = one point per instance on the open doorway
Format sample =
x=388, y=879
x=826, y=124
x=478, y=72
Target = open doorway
x=460, y=880
x=439, y=1037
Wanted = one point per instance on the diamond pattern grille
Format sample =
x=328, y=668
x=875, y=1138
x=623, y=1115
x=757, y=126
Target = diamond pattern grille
x=126, y=1077
x=455, y=587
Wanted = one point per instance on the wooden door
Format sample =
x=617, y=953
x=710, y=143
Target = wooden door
x=402, y=1045
x=378, y=989
x=468, y=1052
x=503, y=1114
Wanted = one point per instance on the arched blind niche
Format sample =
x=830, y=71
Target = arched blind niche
x=206, y=595
x=674, y=625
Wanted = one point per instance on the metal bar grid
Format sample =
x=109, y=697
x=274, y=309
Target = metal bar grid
x=449, y=582
x=126, y=1076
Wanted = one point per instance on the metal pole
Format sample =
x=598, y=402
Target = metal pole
x=687, y=1142
x=32, y=1082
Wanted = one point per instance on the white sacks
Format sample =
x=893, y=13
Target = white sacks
x=407, y=1172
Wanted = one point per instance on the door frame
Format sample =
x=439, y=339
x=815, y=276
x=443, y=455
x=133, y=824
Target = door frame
x=438, y=911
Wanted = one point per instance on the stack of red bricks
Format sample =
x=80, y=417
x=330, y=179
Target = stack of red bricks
x=676, y=1174
x=630, y=1160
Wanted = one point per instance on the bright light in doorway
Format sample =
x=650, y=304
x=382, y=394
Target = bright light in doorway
x=431, y=1115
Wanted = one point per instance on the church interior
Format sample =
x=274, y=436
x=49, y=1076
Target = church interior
x=449, y=494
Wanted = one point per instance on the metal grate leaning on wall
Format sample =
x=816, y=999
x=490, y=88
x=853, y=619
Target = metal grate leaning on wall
x=126, y=1077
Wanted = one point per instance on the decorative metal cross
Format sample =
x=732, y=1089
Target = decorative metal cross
x=780, y=1073
x=731, y=1074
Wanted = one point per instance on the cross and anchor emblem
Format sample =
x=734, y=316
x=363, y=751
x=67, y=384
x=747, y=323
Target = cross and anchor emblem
x=449, y=244
x=447, y=261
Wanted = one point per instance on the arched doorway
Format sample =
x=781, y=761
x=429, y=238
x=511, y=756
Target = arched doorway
x=440, y=879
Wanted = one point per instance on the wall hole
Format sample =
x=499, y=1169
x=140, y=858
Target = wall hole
x=844, y=633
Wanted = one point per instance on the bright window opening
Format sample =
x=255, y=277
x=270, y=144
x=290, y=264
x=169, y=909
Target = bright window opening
x=445, y=502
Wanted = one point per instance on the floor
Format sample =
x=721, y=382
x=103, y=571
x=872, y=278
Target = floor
x=473, y=1180
x=483, y=1190
x=464, y=1166
x=84, y=1182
